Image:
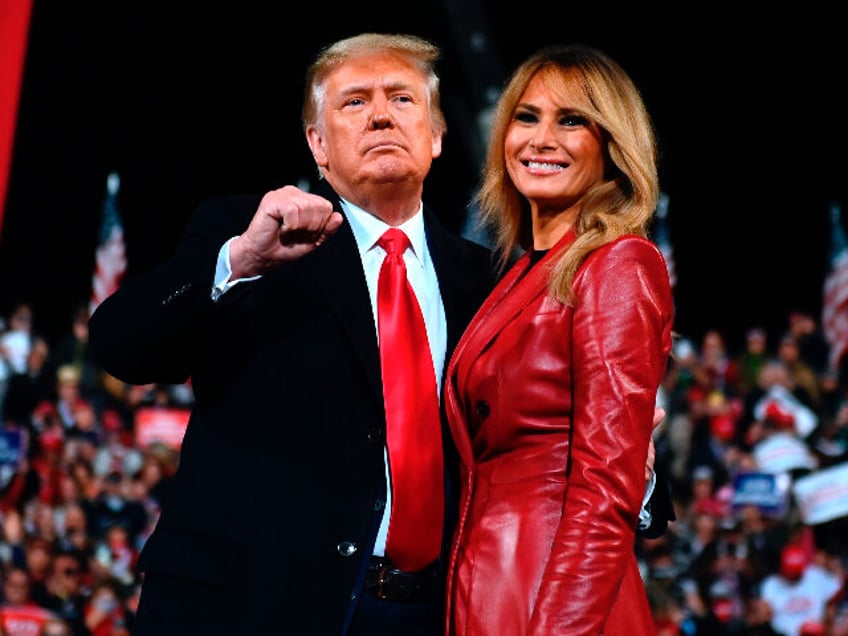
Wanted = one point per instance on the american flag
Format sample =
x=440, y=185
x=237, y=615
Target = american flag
x=661, y=236
x=835, y=306
x=110, y=261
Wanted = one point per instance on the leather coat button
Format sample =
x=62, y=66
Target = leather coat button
x=482, y=408
x=346, y=548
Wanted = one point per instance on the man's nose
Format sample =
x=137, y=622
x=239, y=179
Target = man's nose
x=380, y=116
x=380, y=121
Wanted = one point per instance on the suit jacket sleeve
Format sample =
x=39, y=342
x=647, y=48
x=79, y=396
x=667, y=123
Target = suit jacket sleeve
x=149, y=329
x=661, y=507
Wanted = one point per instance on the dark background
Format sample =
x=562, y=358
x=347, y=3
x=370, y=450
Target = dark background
x=185, y=101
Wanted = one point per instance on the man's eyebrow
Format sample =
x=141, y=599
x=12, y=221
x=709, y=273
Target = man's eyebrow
x=390, y=86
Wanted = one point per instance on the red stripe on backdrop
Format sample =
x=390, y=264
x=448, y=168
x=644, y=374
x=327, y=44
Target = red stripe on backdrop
x=14, y=28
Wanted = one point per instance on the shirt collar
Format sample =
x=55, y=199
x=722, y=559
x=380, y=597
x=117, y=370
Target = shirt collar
x=367, y=229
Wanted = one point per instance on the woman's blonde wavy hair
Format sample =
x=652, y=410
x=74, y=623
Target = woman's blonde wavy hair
x=622, y=204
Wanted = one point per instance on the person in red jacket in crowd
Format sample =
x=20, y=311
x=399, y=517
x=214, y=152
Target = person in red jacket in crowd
x=19, y=614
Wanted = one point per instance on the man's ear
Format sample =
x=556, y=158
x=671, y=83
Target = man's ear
x=437, y=144
x=316, y=144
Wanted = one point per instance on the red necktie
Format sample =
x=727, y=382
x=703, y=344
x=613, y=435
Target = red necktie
x=413, y=428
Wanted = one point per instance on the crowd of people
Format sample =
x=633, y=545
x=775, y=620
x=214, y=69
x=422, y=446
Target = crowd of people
x=78, y=493
x=745, y=430
x=247, y=316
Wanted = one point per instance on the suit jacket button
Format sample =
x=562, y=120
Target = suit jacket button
x=482, y=408
x=346, y=548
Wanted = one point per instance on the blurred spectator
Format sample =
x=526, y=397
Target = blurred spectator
x=40, y=522
x=752, y=359
x=66, y=595
x=115, y=452
x=12, y=551
x=833, y=393
x=74, y=529
x=112, y=507
x=757, y=619
x=39, y=561
x=16, y=339
x=114, y=559
x=159, y=465
x=83, y=474
x=72, y=349
x=778, y=448
x=764, y=538
x=85, y=436
x=813, y=348
x=46, y=465
x=802, y=373
x=19, y=615
x=718, y=364
x=26, y=390
x=15, y=344
x=105, y=614
x=712, y=437
x=67, y=394
x=777, y=385
x=800, y=592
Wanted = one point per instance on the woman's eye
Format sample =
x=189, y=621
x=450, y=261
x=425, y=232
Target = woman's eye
x=573, y=120
x=525, y=117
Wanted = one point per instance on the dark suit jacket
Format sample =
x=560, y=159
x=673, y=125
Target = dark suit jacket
x=281, y=477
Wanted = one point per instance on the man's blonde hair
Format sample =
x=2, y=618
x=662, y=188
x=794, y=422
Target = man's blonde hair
x=420, y=52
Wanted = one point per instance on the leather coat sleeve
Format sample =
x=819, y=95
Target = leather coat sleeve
x=621, y=337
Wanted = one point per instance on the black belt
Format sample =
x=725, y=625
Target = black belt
x=388, y=583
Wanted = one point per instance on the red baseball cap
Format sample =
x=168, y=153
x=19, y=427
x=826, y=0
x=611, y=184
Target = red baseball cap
x=793, y=560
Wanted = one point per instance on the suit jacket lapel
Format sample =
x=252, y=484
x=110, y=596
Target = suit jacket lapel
x=337, y=271
x=517, y=289
x=513, y=293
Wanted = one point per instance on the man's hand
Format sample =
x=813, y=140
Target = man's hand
x=288, y=224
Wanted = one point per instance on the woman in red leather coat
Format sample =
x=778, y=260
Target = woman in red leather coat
x=550, y=393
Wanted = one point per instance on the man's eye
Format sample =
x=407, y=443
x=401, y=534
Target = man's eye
x=355, y=102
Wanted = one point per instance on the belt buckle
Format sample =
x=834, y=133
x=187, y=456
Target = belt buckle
x=380, y=592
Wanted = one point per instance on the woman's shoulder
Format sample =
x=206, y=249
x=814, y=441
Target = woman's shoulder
x=629, y=261
x=628, y=247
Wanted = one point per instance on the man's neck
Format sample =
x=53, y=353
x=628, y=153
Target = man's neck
x=392, y=203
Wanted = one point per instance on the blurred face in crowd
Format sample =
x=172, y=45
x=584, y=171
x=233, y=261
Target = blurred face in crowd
x=16, y=587
x=66, y=574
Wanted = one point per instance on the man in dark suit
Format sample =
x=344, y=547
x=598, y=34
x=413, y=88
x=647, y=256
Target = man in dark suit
x=267, y=305
x=276, y=520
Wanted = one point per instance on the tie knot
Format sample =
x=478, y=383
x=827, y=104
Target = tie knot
x=394, y=241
